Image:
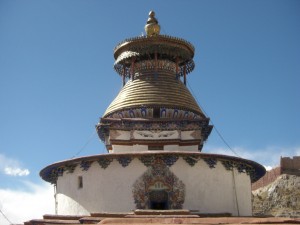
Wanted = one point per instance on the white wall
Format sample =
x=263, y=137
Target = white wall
x=212, y=190
x=104, y=190
x=128, y=148
x=110, y=190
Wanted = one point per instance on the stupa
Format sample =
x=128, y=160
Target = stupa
x=154, y=132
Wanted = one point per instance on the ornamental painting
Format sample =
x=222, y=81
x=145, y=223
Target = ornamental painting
x=158, y=188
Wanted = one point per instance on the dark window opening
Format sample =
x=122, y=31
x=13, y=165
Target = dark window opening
x=156, y=147
x=156, y=113
x=80, y=182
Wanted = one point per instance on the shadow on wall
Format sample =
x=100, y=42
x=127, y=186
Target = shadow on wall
x=66, y=204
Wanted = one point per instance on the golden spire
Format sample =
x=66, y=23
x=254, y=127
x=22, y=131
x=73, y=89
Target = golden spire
x=152, y=27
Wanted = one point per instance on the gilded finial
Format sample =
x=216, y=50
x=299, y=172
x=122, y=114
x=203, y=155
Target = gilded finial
x=152, y=27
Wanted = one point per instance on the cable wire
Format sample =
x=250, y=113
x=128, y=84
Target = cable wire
x=86, y=143
x=215, y=127
x=5, y=217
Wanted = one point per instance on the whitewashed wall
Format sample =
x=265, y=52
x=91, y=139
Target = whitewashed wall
x=212, y=190
x=110, y=190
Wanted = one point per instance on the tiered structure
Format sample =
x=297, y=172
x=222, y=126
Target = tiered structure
x=154, y=110
x=154, y=131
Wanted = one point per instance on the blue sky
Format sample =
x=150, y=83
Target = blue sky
x=57, y=78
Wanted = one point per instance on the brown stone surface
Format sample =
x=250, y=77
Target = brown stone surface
x=162, y=216
x=268, y=178
x=107, y=214
x=145, y=217
x=221, y=220
x=62, y=217
x=162, y=212
x=91, y=220
x=51, y=221
x=212, y=214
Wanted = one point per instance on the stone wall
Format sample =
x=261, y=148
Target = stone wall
x=268, y=178
x=287, y=166
x=290, y=165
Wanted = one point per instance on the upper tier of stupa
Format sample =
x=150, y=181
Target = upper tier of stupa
x=154, y=70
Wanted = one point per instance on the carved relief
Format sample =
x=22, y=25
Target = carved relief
x=151, y=161
x=125, y=160
x=196, y=134
x=114, y=134
x=158, y=185
x=148, y=113
x=191, y=160
x=104, y=162
x=85, y=165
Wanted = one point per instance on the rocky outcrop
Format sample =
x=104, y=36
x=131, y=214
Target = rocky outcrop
x=281, y=198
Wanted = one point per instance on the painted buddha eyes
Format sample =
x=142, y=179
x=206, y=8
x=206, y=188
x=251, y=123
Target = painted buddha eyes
x=166, y=135
x=145, y=135
x=163, y=135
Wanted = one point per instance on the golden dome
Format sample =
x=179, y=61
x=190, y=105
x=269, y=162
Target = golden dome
x=151, y=90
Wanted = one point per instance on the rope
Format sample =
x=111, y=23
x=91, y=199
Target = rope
x=5, y=217
x=215, y=127
x=235, y=193
x=86, y=143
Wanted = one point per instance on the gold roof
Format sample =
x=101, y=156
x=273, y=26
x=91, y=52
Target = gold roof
x=154, y=45
x=150, y=90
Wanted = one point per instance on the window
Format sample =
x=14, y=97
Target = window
x=156, y=113
x=156, y=147
x=80, y=182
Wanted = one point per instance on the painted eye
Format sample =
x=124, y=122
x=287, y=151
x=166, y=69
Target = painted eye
x=165, y=135
x=145, y=135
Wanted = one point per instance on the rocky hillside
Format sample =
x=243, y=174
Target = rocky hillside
x=280, y=198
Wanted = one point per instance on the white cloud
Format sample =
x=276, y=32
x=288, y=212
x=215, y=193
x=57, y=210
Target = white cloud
x=12, y=167
x=20, y=206
x=16, y=171
x=268, y=156
x=268, y=168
